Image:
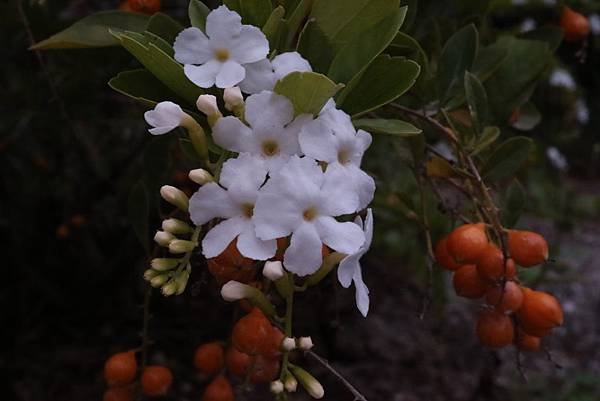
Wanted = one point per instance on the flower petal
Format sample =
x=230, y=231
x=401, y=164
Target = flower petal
x=250, y=46
x=165, y=117
x=275, y=215
x=289, y=62
x=299, y=181
x=346, y=269
x=231, y=74
x=253, y=247
x=221, y=235
x=246, y=169
x=304, y=255
x=268, y=109
x=192, y=47
x=317, y=141
x=204, y=75
x=259, y=77
x=368, y=228
x=364, y=186
x=343, y=237
x=288, y=141
x=222, y=23
x=211, y=201
x=232, y=134
x=362, y=293
x=338, y=195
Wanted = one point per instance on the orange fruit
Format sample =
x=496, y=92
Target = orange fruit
x=218, y=390
x=237, y=362
x=156, y=380
x=495, y=329
x=539, y=313
x=120, y=369
x=264, y=369
x=491, y=264
x=63, y=231
x=209, y=358
x=77, y=220
x=467, y=242
x=468, y=283
x=231, y=265
x=252, y=332
x=527, y=248
x=443, y=257
x=145, y=6
x=575, y=25
x=119, y=394
x=526, y=342
x=505, y=299
x=273, y=344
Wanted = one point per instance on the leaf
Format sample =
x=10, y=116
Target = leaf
x=488, y=61
x=165, y=27
x=161, y=65
x=296, y=13
x=457, y=56
x=393, y=127
x=253, y=12
x=383, y=81
x=273, y=28
x=406, y=46
x=487, y=137
x=513, y=203
x=477, y=101
x=139, y=212
x=551, y=35
x=198, y=12
x=528, y=117
x=504, y=162
x=308, y=91
x=93, y=31
x=142, y=86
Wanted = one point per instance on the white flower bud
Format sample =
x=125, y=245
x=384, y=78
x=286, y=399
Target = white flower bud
x=150, y=274
x=164, y=264
x=310, y=384
x=233, y=98
x=208, y=105
x=276, y=387
x=163, y=238
x=169, y=288
x=176, y=226
x=290, y=384
x=288, y=344
x=234, y=291
x=201, y=176
x=175, y=197
x=305, y=343
x=181, y=246
x=159, y=280
x=273, y=270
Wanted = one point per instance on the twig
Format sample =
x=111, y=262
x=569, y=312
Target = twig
x=357, y=395
x=445, y=131
x=429, y=243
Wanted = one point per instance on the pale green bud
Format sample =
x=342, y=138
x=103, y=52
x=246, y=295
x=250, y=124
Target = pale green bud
x=164, y=264
x=181, y=246
x=163, y=238
x=169, y=289
x=310, y=384
x=201, y=176
x=175, y=197
x=159, y=280
x=176, y=226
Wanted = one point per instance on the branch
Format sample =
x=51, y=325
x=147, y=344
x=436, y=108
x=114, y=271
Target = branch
x=357, y=395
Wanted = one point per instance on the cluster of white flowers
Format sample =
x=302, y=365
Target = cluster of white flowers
x=293, y=176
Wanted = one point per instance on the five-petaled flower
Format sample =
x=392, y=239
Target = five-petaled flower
x=165, y=117
x=264, y=74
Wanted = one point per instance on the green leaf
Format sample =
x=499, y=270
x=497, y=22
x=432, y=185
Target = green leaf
x=165, y=27
x=513, y=203
x=504, y=162
x=487, y=137
x=551, y=35
x=477, y=101
x=161, y=65
x=296, y=13
x=457, y=56
x=529, y=117
x=142, y=86
x=93, y=31
x=253, y=12
x=488, y=60
x=406, y=46
x=139, y=212
x=308, y=91
x=399, y=128
x=383, y=81
x=273, y=28
x=198, y=12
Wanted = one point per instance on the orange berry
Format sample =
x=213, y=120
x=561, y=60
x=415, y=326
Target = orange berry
x=505, y=299
x=468, y=283
x=78, y=220
x=62, y=231
x=218, y=390
x=124, y=6
x=251, y=333
x=156, y=380
x=272, y=346
x=539, y=313
x=237, y=362
x=526, y=342
x=209, y=358
x=495, y=329
x=120, y=369
x=527, y=248
x=467, y=242
x=119, y=394
x=443, y=257
x=575, y=25
x=264, y=369
x=491, y=264
x=145, y=6
x=232, y=265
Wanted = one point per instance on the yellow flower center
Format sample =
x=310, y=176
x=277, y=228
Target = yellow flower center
x=309, y=214
x=270, y=148
x=248, y=209
x=222, y=55
x=344, y=156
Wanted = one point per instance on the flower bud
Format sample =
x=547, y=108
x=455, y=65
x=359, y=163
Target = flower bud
x=273, y=270
x=288, y=344
x=290, y=384
x=164, y=264
x=201, y=176
x=276, y=387
x=169, y=288
x=163, y=238
x=150, y=274
x=310, y=384
x=208, y=105
x=175, y=197
x=159, y=280
x=305, y=343
x=181, y=246
x=182, y=281
x=176, y=226
x=234, y=291
x=234, y=101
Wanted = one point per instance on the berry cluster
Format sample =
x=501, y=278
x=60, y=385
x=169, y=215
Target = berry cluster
x=514, y=314
x=575, y=26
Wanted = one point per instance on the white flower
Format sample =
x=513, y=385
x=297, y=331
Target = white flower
x=562, y=78
x=233, y=201
x=350, y=270
x=219, y=56
x=273, y=270
x=165, y=117
x=276, y=387
x=557, y=159
x=332, y=138
x=305, y=343
x=264, y=74
x=301, y=200
x=273, y=132
x=594, y=23
x=288, y=344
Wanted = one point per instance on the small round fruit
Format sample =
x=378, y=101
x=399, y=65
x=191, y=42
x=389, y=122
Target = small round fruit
x=495, y=329
x=119, y=394
x=145, y=6
x=264, y=369
x=237, y=362
x=575, y=25
x=505, y=299
x=218, y=390
x=468, y=283
x=120, y=369
x=273, y=345
x=526, y=342
x=156, y=380
x=527, y=248
x=251, y=332
x=467, y=242
x=209, y=358
x=539, y=312
x=491, y=264
x=443, y=257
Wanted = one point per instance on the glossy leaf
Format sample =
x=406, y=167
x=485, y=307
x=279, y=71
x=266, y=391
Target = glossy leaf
x=457, y=56
x=506, y=160
x=513, y=203
x=274, y=27
x=383, y=126
x=165, y=27
x=406, y=46
x=551, y=35
x=477, y=101
x=142, y=86
x=308, y=91
x=487, y=137
x=198, y=11
x=253, y=12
